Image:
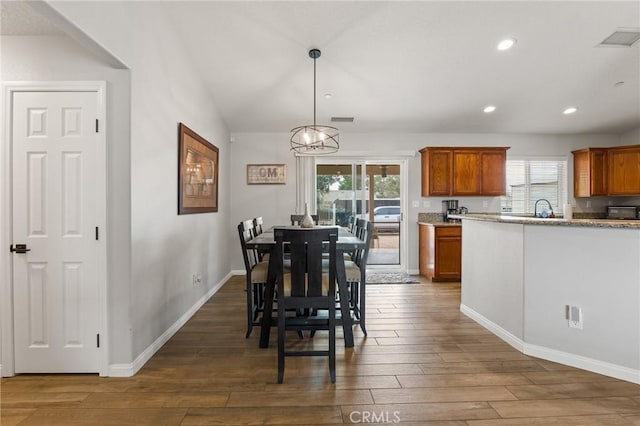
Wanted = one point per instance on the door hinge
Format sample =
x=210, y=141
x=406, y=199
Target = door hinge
x=97, y=234
x=96, y=125
x=97, y=340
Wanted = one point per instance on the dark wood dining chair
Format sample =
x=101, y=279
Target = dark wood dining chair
x=356, y=270
x=296, y=219
x=306, y=289
x=256, y=274
x=258, y=224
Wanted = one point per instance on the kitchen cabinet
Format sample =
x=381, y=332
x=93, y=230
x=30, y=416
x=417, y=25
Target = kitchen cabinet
x=463, y=171
x=436, y=171
x=466, y=172
x=624, y=170
x=440, y=251
x=590, y=172
x=606, y=171
x=493, y=166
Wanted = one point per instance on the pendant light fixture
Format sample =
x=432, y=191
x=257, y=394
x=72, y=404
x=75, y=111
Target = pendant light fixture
x=314, y=139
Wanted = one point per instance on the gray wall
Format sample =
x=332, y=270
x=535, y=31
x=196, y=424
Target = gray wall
x=165, y=248
x=60, y=59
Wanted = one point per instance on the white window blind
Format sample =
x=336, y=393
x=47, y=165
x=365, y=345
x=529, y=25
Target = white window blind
x=531, y=180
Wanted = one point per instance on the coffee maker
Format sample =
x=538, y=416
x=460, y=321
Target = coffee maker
x=449, y=207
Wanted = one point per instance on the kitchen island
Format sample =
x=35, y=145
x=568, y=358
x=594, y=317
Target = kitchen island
x=520, y=274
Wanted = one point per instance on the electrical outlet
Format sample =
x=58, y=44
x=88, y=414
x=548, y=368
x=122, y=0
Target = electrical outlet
x=485, y=204
x=574, y=316
x=588, y=204
x=426, y=204
x=196, y=279
x=415, y=204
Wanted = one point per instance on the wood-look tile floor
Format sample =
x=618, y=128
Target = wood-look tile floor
x=423, y=362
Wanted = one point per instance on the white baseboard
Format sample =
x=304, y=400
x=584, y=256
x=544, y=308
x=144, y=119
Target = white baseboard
x=565, y=358
x=413, y=271
x=238, y=272
x=508, y=337
x=128, y=370
x=584, y=363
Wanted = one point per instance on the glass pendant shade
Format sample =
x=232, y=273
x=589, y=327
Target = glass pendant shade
x=314, y=139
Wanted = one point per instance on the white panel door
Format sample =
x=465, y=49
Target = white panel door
x=55, y=284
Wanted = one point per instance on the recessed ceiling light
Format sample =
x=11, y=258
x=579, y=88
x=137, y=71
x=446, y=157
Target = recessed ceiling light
x=506, y=44
x=328, y=96
x=618, y=84
x=489, y=109
x=570, y=110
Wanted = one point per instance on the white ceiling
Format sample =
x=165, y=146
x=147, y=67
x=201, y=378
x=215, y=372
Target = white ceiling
x=18, y=18
x=415, y=66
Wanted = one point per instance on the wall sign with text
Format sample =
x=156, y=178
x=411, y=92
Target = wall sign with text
x=265, y=174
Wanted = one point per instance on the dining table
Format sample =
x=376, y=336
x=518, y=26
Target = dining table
x=347, y=242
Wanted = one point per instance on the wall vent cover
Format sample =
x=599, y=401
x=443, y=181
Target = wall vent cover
x=622, y=38
x=342, y=119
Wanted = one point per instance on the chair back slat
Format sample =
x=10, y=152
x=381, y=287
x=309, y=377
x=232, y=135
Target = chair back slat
x=364, y=231
x=246, y=232
x=258, y=222
x=306, y=248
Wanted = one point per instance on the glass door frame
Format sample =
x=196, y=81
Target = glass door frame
x=364, y=162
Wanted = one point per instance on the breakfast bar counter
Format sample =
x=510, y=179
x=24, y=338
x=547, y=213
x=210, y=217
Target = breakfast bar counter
x=521, y=276
x=527, y=220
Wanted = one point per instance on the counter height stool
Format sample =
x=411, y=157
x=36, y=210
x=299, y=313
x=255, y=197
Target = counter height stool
x=256, y=273
x=306, y=289
x=356, y=272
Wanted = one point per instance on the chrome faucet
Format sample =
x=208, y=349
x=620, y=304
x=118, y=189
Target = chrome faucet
x=535, y=208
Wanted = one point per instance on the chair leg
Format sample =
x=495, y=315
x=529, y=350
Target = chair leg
x=332, y=345
x=281, y=337
x=250, y=293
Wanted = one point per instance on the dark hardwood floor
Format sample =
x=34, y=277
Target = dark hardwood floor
x=423, y=363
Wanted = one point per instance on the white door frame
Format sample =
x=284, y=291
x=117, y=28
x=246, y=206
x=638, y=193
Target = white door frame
x=7, y=358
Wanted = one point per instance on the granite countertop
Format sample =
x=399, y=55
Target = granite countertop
x=434, y=219
x=443, y=224
x=592, y=223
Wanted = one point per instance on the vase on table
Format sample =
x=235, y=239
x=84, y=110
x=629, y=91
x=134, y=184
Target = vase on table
x=307, y=220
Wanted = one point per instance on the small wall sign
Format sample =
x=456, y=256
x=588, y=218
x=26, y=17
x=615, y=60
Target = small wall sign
x=266, y=174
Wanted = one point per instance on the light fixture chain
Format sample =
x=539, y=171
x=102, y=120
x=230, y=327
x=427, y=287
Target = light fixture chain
x=314, y=91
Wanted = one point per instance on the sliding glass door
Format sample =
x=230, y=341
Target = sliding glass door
x=339, y=193
x=348, y=190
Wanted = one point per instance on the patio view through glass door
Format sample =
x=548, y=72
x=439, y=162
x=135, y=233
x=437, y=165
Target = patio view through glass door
x=344, y=191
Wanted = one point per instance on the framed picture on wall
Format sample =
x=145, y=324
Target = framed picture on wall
x=198, y=164
x=266, y=174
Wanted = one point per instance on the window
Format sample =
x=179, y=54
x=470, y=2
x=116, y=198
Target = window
x=531, y=180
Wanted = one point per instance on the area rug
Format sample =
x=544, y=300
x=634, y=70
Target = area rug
x=390, y=278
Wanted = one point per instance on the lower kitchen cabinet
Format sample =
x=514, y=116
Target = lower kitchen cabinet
x=440, y=251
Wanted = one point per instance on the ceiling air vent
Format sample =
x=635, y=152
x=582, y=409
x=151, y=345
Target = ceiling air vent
x=621, y=38
x=342, y=119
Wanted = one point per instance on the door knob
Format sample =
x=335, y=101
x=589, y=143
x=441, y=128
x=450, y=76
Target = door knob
x=19, y=248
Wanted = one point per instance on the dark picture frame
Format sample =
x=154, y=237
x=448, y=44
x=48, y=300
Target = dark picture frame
x=198, y=165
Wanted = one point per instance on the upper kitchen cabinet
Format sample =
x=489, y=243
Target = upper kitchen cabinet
x=466, y=172
x=437, y=171
x=590, y=172
x=606, y=171
x=463, y=171
x=624, y=170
